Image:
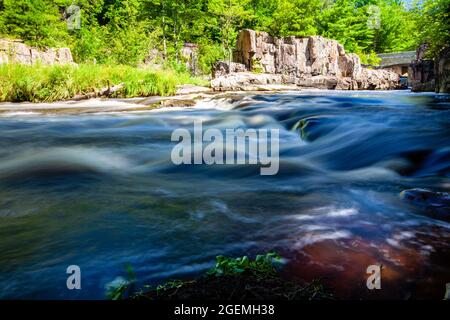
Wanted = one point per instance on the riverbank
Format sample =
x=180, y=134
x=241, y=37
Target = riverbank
x=243, y=279
x=186, y=95
x=41, y=83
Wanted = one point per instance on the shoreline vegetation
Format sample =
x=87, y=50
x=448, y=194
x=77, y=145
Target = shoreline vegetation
x=239, y=278
x=109, y=40
x=41, y=83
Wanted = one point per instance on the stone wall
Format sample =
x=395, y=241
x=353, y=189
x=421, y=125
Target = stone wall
x=309, y=62
x=18, y=52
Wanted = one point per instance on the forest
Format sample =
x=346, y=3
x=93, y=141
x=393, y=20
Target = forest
x=125, y=32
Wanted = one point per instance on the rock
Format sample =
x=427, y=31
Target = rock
x=245, y=81
x=437, y=204
x=177, y=103
x=18, y=52
x=312, y=62
x=319, y=82
x=443, y=72
x=222, y=68
x=421, y=74
x=380, y=79
x=429, y=86
x=64, y=56
x=428, y=75
x=189, y=54
x=186, y=89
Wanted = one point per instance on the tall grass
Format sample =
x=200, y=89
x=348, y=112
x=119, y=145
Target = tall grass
x=39, y=83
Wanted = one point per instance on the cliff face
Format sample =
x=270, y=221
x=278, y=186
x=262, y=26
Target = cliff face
x=430, y=75
x=299, y=57
x=309, y=62
x=17, y=52
x=421, y=76
x=443, y=72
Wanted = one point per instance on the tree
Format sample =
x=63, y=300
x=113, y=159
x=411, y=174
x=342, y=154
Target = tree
x=347, y=22
x=230, y=16
x=295, y=17
x=397, y=30
x=434, y=25
x=38, y=22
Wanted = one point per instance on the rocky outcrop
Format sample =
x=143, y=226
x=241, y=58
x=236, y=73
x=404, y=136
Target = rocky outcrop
x=430, y=75
x=18, y=52
x=245, y=81
x=314, y=62
x=222, y=68
x=443, y=72
x=421, y=76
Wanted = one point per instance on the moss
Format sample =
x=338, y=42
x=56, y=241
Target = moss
x=257, y=66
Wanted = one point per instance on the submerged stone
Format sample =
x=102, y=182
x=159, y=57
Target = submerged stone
x=437, y=204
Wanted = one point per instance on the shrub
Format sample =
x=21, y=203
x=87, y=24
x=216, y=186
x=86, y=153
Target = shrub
x=262, y=264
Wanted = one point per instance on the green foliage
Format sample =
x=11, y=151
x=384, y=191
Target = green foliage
x=119, y=287
x=170, y=285
x=295, y=17
x=398, y=29
x=434, y=25
x=257, y=67
x=38, y=22
x=229, y=16
x=263, y=264
x=370, y=58
x=124, y=32
x=347, y=23
x=209, y=53
x=51, y=83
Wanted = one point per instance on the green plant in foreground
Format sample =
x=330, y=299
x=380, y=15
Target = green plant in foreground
x=262, y=267
x=262, y=264
x=118, y=288
x=169, y=285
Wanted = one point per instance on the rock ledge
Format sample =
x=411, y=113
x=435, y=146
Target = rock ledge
x=309, y=62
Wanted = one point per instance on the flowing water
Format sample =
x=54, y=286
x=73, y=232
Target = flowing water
x=100, y=191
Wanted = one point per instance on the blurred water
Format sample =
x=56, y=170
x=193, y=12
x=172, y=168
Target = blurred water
x=100, y=191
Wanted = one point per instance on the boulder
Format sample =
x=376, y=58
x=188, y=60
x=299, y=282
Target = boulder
x=222, y=68
x=436, y=204
x=245, y=81
x=187, y=89
x=18, y=52
x=319, y=82
x=421, y=75
x=379, y=79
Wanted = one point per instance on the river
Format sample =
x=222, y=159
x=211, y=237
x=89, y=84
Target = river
x=100, y=191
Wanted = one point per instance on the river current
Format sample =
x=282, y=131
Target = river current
x=100, y=191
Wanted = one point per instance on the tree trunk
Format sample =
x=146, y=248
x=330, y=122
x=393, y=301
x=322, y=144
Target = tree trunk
x=164, y=30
